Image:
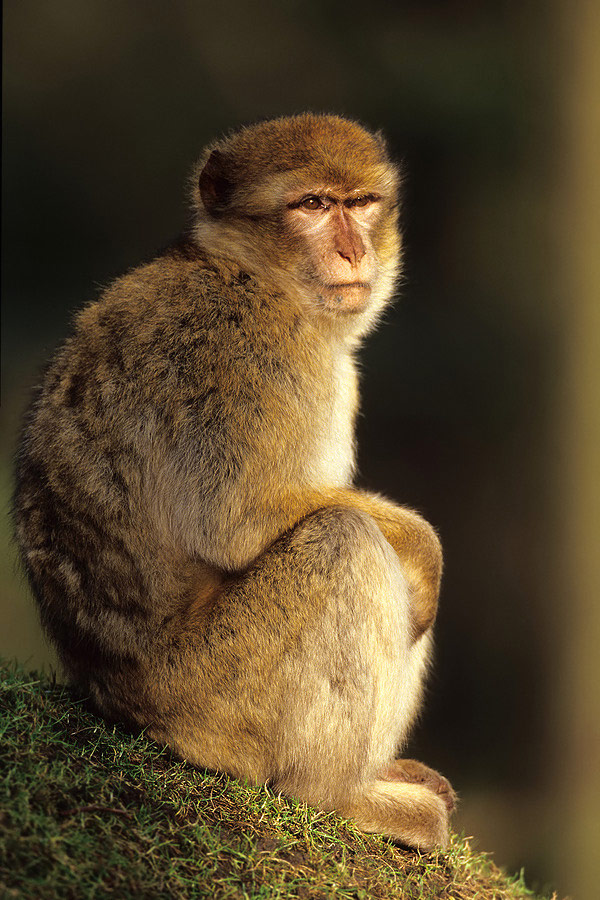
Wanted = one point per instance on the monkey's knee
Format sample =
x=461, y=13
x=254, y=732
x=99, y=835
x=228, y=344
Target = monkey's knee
x=349, y=543
x=353, y=535
x=334, y=526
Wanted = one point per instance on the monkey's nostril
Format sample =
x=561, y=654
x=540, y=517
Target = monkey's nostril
x=351, y=257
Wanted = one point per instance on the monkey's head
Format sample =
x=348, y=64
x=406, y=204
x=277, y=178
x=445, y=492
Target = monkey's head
x=310, y=201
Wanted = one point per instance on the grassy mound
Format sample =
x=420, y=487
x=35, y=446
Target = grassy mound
x=88, y=811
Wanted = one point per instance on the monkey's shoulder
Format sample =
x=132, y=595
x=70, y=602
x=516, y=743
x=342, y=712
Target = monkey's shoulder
x=188, y=297
x=177, y=328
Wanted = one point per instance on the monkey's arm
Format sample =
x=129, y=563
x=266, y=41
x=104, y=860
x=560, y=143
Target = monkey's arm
x=250, y=515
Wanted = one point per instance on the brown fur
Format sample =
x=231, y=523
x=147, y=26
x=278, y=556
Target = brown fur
x=184, y=502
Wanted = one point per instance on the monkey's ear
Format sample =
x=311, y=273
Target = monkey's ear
x=215, y=185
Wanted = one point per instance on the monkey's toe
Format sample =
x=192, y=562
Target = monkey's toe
x=415, y=772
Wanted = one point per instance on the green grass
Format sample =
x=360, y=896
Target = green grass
x=89, y=811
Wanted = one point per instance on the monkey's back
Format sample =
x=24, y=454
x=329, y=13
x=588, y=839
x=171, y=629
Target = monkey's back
x=148, y=430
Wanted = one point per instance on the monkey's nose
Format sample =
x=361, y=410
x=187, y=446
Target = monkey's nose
x=352, y=250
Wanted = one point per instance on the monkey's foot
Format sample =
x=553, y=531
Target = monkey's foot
x=415, y=772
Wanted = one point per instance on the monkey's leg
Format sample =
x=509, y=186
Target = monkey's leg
x=313, y=678
x=359, y=674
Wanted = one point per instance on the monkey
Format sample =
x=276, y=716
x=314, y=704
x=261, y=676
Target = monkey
x=185, y=506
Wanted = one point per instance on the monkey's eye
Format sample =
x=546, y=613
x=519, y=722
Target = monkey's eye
x=364, y=200
x=313, y=202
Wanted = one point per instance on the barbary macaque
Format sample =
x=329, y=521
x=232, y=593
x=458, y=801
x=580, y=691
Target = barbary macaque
x=184, y=503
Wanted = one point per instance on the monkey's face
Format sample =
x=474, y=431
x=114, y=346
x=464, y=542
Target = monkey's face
x=308, y=202
x=336, y=260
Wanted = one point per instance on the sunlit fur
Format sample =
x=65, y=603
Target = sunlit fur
x=184, y=502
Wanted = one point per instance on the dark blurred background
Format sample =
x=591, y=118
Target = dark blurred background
x=480, y=393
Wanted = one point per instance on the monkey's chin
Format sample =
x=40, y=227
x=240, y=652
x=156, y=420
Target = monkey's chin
x=345, y=298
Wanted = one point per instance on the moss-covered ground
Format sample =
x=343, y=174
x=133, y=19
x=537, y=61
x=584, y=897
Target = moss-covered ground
x=90, y=811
